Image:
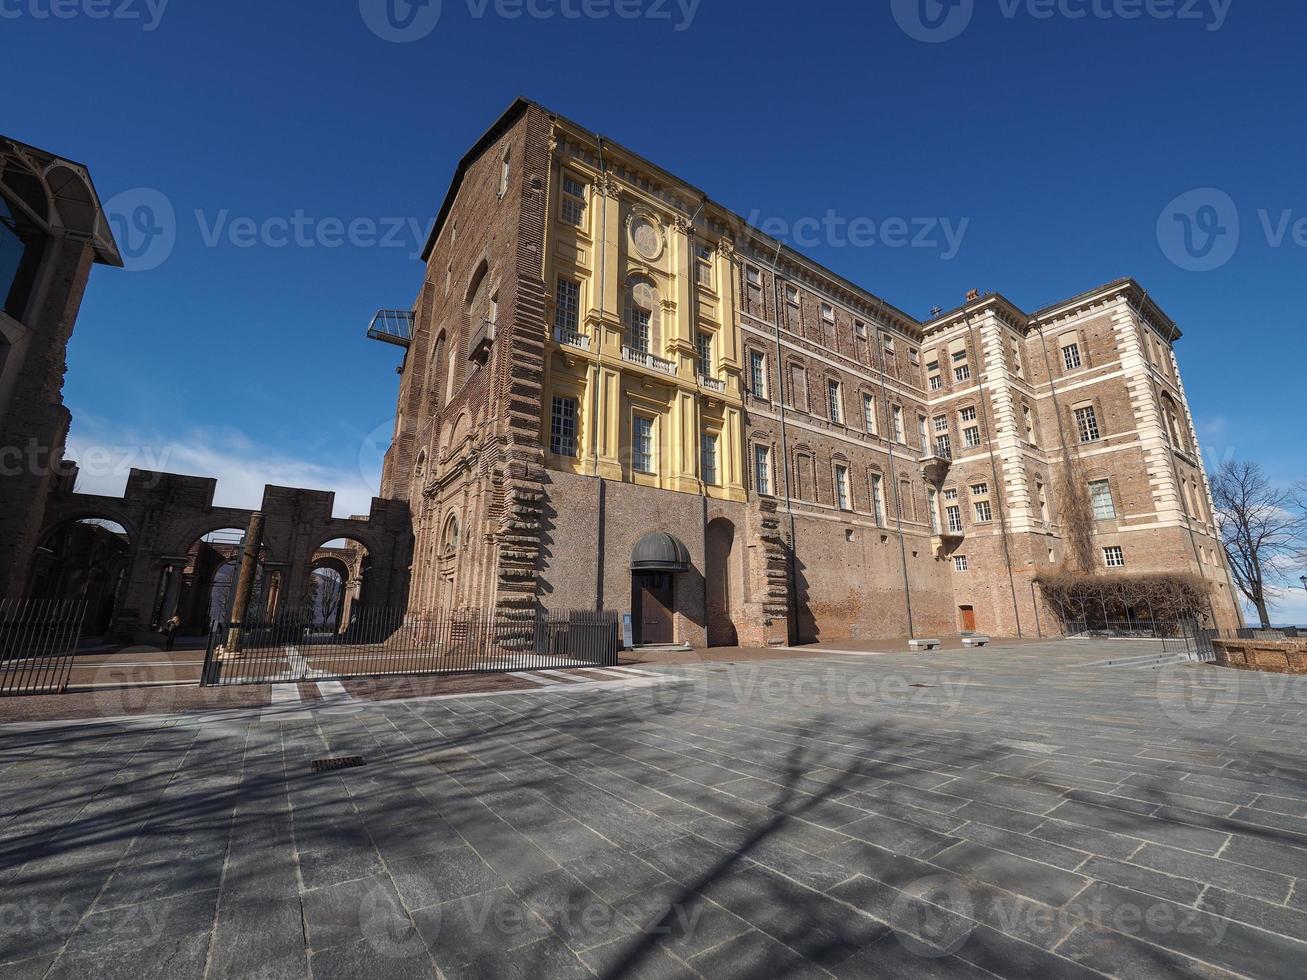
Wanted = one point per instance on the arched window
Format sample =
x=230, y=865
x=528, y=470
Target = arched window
x=449, y=538
x=643, y=316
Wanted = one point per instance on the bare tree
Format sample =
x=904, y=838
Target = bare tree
x=1263, y=527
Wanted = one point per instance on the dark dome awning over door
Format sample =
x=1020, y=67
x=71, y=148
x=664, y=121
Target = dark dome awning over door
x=660, y=552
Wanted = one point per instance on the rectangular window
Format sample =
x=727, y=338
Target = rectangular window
x=842, y=487
x=932, y=503
x=1087, y=424
x=704, y=254
x=869, y=413
x=1114, y=557
x=792, y=295
x=1071, y=356
x=962, y=373
x=1100, y=493
x=828, y=312
x=951, y=493
x=889, y=344
x=971, y=436
x=941, y=423
x=1042, y=501
x=878, y=499
x=914, y=356
x=944, y=447
x=704, y=345
x=954, y=515
x=980, y=490
x=562, y=427
x=859, y=330
x=573, y=203
x=642, y=444
x=835, y=402
x=936, y=382
x=708, y=458
x=898, y=425
x=1030, y=424
x=567, y=312
x=762, y=470
x=757, y=374
x=984, y=513
x=960, y=563
x=639, y=338
x=753, y=287
x=968, y=414
x=923, y=440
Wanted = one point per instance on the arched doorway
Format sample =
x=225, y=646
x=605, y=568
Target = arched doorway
x=447, y=564
x=84, y=560
x=339, y=585
x=202, y=591
x=722, y=583
x=656, y=561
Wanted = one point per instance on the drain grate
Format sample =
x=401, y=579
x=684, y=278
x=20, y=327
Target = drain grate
x=331, y=765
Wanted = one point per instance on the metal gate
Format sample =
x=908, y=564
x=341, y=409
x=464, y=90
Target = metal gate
x=38, y=642
x=381, y=642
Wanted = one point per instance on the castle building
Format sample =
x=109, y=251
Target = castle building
x=617, y=393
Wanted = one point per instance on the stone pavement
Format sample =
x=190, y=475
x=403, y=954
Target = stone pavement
x=1004, y=812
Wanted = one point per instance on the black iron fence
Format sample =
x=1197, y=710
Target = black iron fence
x=38, y=641
x=1182, y=636
x=380, y=642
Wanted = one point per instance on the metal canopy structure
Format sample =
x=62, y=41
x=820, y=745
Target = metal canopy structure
x=392, y=327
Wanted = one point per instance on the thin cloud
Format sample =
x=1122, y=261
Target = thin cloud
x=106, y=454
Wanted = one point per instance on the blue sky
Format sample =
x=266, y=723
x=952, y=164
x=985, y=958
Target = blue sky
x=1053, y=146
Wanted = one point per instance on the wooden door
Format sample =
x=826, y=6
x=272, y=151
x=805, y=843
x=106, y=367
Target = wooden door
x=653, y=607
x=968, y=619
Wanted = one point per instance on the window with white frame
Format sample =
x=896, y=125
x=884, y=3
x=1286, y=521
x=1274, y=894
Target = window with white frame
x=960, y=563
x=899, y=435
x=762, y=469
x=753, y=286
x=842, y=487
x=859, y=330
x=704, y=345
x=951, y=493
x=1113, y=556
x=923, y=440
x=980, y=489
x=941, y=423
x=1029, y=418
x=971, y=436
x=953, y=514
x=758, y=374
x=932, y=504
x=704, y=255
x=835, y=402
x=792, y=295
x=640, y=329
x=708, y=458
x=914, y=357
x=944, y=446
x=869, y=413
x=1100, y=495
x=828, y=312
x=562, y=427
x=984, y=512
x=878, y=499
x=1087, y=424
x=642, y=443
x=1071, y=356
x=573, y=201
x=968, y=414
x=962, y=372
x=567, y=309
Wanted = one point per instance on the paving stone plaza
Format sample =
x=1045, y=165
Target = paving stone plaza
x=1015, y=812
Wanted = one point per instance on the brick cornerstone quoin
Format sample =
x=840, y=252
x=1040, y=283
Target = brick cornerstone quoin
x=600, y=353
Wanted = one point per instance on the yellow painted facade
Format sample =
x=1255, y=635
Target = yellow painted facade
x=651, y=293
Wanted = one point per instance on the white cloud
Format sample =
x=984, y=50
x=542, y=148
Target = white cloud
x=1288, y=608
x=106, y=454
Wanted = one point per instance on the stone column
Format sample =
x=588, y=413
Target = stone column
x=245, y=582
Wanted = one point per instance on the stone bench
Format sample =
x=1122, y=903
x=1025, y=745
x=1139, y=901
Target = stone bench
x=918, y=645
x=970, y=642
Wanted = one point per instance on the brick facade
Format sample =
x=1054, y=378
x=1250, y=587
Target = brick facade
x=694, y=358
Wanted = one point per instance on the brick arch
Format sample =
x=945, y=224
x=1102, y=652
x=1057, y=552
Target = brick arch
x=65, y=510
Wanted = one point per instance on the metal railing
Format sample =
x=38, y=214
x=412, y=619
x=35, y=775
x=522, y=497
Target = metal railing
x=636, y=356
x=380, y=642
x=38, y=641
